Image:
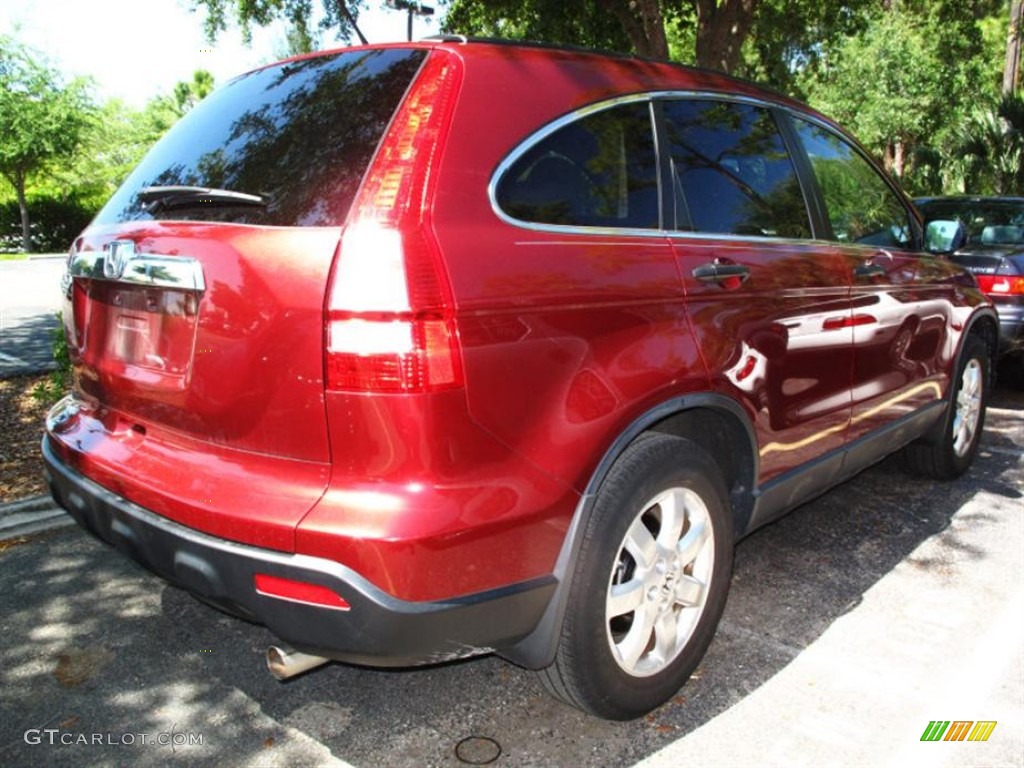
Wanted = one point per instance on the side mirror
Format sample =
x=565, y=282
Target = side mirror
x=944, y=236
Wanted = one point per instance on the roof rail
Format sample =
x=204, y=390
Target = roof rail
x=447, y=38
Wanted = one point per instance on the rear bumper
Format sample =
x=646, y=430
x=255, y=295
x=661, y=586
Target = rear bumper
x=378, y=629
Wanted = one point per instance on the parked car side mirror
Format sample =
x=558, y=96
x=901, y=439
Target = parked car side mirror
x=944, y=236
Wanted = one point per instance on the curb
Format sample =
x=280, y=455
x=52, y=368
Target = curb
x=32, y=515
x=10, y=371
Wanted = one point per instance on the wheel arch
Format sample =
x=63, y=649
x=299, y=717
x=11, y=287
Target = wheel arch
x=720, y=426
x=984, y=323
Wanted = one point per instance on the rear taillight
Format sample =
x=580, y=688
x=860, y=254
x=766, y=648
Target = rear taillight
x=1001, y=285
x=383, y=332
x=390, y=324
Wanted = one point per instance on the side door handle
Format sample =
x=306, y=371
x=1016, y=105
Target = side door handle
x=867, y=270
x=731, y=275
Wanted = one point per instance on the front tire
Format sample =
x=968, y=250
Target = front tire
x=952, y=453
x=651, y=581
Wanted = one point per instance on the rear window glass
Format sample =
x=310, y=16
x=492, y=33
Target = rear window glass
x=599, y=171
x=988, y=222
x=299, y=135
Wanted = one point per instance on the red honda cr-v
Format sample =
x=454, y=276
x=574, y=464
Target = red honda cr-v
x=422, y=351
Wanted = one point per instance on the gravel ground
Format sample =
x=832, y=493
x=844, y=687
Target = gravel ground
x=21, y=424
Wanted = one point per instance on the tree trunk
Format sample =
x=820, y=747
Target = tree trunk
x=722, y=27
x=26, y=233
x=643, y=24
x=898, y=159
x=894, y=158
x=1011, y=68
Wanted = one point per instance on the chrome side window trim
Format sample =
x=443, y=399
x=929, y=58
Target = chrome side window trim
x=649, y=96
x=537, y=137
x=120, y=264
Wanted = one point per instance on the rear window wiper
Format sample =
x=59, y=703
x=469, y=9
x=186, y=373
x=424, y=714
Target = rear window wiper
x=158, y=198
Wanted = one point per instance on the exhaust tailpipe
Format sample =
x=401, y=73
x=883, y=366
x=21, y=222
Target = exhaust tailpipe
x=284, y=663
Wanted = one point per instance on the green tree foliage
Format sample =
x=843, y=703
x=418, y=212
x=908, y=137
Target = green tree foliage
x=114, y=142
x=714, y=31
x=42, y=121
x=904, y=81
x=720, y=27
x=990, y=148
x=189, y=93
x=56, y=221
x=574, y=22
x=790, y=37
x=895, y=57
x=768, y=40
x=162, y=112
x=297, y=40
x=339, y=15
x=110, y=144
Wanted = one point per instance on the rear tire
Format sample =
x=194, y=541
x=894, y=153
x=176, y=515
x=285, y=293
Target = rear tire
x=952, y=453
x=650, y=584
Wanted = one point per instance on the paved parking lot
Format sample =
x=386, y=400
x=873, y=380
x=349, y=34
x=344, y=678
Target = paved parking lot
x=29, y=300
x=852, y=623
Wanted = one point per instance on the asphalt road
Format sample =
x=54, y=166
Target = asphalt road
x=852, y=623
x=29, y=300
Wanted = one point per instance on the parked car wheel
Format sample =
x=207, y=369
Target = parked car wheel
x=951, y=455
x=651, y=583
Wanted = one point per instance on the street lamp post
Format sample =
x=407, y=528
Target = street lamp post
x=413, y=9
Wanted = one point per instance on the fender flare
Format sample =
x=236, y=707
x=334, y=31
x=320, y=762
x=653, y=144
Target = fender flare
x=983, y=315
x=537, y=650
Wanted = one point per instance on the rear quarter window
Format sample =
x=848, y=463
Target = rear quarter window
x=598, y=171
x=299, y=134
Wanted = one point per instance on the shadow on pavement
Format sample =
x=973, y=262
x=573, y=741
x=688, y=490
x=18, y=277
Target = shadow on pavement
x=95, y=645
x=29, y=340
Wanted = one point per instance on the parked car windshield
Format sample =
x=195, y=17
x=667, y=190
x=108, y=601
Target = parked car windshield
x=296, y=137
x=988, y=222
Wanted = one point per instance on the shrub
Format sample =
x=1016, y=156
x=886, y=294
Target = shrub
x=57, y=384
x=53, y=223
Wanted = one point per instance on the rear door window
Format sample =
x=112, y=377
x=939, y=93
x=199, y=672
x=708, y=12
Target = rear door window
x=299, y=135
x=598, y=171
x=732, y=172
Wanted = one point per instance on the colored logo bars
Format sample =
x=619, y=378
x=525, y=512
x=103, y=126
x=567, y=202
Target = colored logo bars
x=958, y=730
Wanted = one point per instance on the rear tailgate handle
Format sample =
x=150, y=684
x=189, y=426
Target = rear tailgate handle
x=120, y=262
x=717, y=272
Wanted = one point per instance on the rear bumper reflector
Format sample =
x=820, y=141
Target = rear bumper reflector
x=299, y=592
